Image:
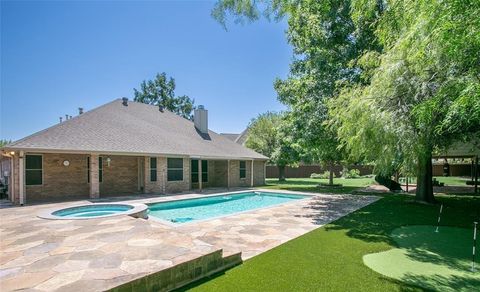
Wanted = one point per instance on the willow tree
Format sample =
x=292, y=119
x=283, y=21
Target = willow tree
x=423, y=91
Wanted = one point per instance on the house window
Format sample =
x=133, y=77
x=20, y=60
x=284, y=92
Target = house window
x=100, y=169
x=174, y=169
x=195, y=171
x=33, y=170
x=153, y=169
x=243, y=169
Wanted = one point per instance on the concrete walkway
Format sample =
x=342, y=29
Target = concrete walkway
x=98, y=254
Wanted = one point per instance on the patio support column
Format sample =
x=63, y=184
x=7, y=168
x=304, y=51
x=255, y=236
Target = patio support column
x=251, y=174
x=264, y=172
x=21, y=178
x=11, y=181
x=228, y=174
x=94, y=177
x=200, y=174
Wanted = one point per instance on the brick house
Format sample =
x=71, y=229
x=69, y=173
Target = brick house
x=126, y=148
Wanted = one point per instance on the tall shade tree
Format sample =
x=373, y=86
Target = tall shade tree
x=161, y=92
x=326, y=46
x=404, y=82
x=267, y=136
x=423, y=91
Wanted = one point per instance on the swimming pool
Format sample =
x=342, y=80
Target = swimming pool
x=183, y=211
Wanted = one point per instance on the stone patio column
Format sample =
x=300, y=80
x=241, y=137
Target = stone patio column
x=94, y=177
x=251, y=175
x=200, y=174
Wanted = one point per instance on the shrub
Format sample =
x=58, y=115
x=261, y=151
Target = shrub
x=326, y=174
x=352, y=173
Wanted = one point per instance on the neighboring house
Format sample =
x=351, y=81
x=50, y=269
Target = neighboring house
x=124, y=148
x=237, y=138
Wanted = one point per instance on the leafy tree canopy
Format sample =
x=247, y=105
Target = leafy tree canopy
x=395, y=79
x=161, y=91
x=423, y=91
x=4, y=142
x=268, y=136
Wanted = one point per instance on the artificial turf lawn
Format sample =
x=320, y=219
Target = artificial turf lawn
x=435, y=260
x=330, y=258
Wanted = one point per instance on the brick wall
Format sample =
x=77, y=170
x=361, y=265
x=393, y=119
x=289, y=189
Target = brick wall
x=121, y=177
x=60, y=181
x=259, y=173
x=235, y=180
x=220, y=174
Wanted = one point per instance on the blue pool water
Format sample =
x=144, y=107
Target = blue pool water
x=203, y=208
x=92, y=210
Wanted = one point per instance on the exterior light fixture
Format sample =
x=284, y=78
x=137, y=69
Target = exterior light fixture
x=108, y=161
x=12, y=153
x=66, y=163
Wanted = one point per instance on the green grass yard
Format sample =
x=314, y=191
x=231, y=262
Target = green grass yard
x=448, y=181
x=330, y=258
x=453, y=180
x=311, y=184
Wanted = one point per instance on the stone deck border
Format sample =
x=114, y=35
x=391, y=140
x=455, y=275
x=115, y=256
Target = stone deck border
x=138, y=211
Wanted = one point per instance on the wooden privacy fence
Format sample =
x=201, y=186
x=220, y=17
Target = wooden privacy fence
x=306, y=170
x=455, y=170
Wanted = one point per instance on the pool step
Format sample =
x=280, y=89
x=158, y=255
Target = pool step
x=184, y=273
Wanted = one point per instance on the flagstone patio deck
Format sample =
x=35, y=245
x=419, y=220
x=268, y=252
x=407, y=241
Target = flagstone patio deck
x=99, y=254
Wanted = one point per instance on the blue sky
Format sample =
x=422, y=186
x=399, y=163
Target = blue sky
x=60, y=55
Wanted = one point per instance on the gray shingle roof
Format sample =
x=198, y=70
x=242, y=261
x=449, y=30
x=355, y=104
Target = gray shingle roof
x=134, y=129
x=230, y=136
x=237, y=138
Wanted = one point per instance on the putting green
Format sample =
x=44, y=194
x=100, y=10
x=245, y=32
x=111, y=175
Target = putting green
x=437, y=261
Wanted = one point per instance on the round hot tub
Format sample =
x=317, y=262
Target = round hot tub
x=99, y=210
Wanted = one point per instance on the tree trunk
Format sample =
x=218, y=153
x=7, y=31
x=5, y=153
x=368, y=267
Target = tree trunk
x=281, y=173
x=330, y=178
x=424, y=192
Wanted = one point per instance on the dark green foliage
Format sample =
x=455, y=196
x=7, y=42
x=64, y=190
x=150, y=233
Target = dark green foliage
x=4, y=142
x=386, y=181
x=271, y=135
x=161, y=92
x=395, y=81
